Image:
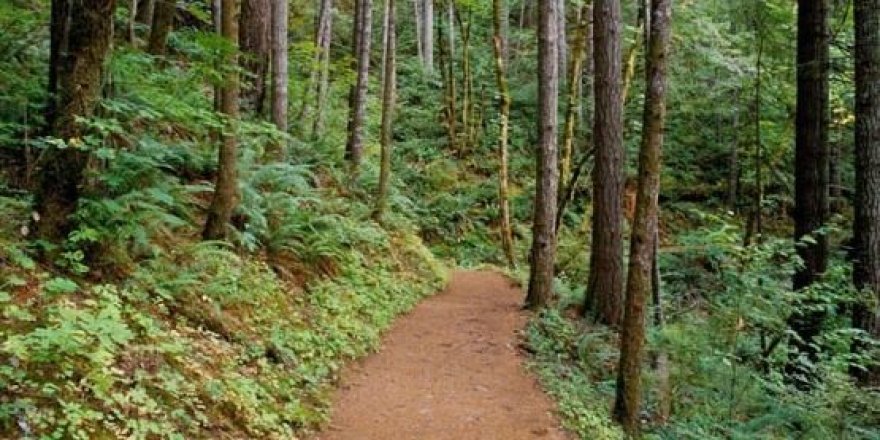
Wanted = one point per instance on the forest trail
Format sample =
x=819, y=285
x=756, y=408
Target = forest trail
x=448, y=370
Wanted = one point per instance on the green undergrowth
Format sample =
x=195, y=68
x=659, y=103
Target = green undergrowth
x=725, y=336
x=140, y=330
x=200, y=343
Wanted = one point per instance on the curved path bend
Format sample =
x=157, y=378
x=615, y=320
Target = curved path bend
x=448, y=370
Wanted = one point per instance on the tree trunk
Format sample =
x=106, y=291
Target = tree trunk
x=572, y=109
x=604, y=291
x=447, y=69
x=78, y=57
x=279, y=64
x=163, y=22
x=543, y=254
x=145, y=10
x=417, y=16
x=498, y=9
x=428, y=35
x=323, y=39
x=357, y=112
x=388, y=100
x=644, y=230
x=226, y=187
x=866, y=228
x=254, y=31
x=811, y=172
x=562, y=40
x=733, y=160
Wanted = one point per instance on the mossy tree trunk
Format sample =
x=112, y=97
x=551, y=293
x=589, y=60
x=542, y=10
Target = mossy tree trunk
x=388, y=101
x=225, y=196
x=644, y=230
x=80, y=44
x=499, y=44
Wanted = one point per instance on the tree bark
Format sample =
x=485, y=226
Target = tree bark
x=543, y=253
x=644, y=230
x=279, y=64
x=254, y=42
x=145, y=10
x=324, y=37
x=163, y=22
x=226, y=186
x=605, y=287
x=428, y=35
x=80, y=44
x=447, y=66
x=499, y=9
x=388, y=101
x=866, y=228
x=357, y=112
x=811, y=172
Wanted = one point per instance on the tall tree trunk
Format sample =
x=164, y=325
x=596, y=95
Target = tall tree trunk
x=279, y=64
x=605, y=288
x=543, y=254
x=226, y=187
x=811, y=171
x=254, y=31
x=324, y=36
x=733, y=160
x=76, y=73
x=866, y=228
x=163, y=22
x=572, y=109
x=447, y=69
x=417, y=16
x=357, y=112
x=428, y=35
x=644, y=230
x=755, y=227
x=562, y=40
x=388, y=100
x=467, y=96
x=836, y=201
x=499, y=38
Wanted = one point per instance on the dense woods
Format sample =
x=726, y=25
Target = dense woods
x=207, y=208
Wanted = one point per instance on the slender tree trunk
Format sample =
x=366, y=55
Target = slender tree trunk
x=388, y=100
x=467, y=99
x=836, y=201
x=420, y=32
x=78, y=58
x=279, y=64
x=733, y=161
x=573, y=104
x=254, y=39
x=358, y=109
x=811, y=172
x=866, y=228
x=324, y=37
x=562, y=40
x=450, y=96
x=226, y=187
x=629, y=67
x=756, y=223
x=498, y=9
x=644, y=231
x=605, y=288
x=543, y=254
x=428, y=35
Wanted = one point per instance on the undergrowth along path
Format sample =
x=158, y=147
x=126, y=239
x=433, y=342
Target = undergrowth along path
x=448, y=370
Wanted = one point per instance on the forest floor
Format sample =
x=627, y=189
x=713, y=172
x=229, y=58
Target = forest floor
x=450, y=369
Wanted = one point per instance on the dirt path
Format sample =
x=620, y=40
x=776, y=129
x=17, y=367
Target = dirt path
x=448, y=370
